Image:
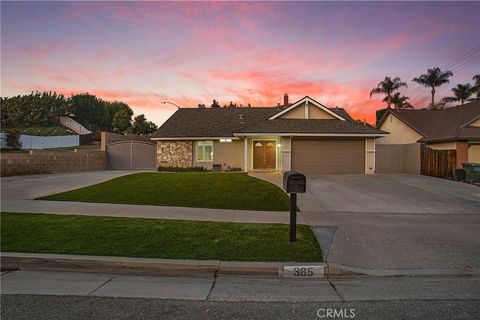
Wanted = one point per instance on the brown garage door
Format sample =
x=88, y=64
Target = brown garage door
x=328, y=156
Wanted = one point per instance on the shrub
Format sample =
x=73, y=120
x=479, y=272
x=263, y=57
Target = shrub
x=13, y=140
x=180, y=169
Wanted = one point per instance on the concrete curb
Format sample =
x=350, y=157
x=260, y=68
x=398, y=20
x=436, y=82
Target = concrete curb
x=171, y=267
x=196, y=268
x=426, y=272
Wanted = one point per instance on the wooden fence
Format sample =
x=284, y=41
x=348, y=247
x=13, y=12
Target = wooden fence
x=397, y=158
x=438, y=163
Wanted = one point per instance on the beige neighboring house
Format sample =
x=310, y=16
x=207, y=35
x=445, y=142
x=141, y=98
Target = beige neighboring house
x=456, y=128
x=306, y=136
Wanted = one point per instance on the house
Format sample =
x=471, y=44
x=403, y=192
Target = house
x=305, y=136
x=455, y=128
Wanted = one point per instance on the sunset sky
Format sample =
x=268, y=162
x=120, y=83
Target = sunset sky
x=247, y=52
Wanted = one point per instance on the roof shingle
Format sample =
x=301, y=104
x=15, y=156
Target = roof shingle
x=224, y=122
x=445, y=124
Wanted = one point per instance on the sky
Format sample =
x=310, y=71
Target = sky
x=190, y=53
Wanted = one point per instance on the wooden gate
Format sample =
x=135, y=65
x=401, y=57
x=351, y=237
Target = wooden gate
x=132, y=155
x=438, y=163
x=397, y=158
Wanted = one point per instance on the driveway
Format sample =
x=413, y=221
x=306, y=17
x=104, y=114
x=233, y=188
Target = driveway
x=412, y=194
x=32, y=186
x=395, y=222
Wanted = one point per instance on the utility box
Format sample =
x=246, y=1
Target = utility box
x=294, y=182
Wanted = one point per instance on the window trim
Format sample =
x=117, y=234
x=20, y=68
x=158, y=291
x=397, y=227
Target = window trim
x=196, y=149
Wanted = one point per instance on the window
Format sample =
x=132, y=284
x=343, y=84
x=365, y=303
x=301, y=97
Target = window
x=225, y=140
x=204, y=151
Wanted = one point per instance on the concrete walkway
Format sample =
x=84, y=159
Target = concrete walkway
x=238, y=289
x=142, y=211
x=18, y=194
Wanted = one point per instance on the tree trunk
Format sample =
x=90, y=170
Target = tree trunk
x=389, y=101
x=433, y=97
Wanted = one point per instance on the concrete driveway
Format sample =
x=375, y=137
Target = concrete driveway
x=412, y=194
x=395, y=222
x=33, y=186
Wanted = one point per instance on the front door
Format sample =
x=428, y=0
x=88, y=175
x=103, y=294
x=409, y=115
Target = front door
x=264, y=154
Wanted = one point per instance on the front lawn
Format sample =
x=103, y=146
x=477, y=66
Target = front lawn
x=184, y=189
x=152, y=238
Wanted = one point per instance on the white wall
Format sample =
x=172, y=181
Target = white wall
x=39, y=142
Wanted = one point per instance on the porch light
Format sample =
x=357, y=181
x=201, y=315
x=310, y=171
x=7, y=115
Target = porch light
x=279, y=145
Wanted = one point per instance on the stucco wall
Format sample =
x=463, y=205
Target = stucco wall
x=400, y=133
x=475, y=123
x=443, y=145
x=286, y=153
x=174, y=153
x=474, y=153
x=314, y=112
x=295, y=113
x=317, y=113
x=370, y=155
x=224, y=153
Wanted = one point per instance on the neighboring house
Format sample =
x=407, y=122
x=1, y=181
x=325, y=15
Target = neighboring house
x=455, y=128
x=305, y=136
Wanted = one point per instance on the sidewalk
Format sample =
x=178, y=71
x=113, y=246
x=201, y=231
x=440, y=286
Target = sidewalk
x=238, y=289
x=143, y=211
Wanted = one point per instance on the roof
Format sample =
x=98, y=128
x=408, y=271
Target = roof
x=447, y=124
x=226, y=122
x=318, y=126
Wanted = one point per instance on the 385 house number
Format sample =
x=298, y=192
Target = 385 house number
x=303, y=271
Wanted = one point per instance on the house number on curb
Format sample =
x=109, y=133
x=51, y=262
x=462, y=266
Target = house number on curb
x=303, y=271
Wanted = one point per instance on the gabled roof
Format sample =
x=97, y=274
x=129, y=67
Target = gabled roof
x=441, y=125
x=282, y=126
x=198, y=123
x=309, y=100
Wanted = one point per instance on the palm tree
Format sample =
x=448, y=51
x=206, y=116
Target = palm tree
x=476, y=86
x=461, y=93
x=432, y=79
x=399, y=101
x=387, y=87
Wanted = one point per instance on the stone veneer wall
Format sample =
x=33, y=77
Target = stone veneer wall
x=174, y=153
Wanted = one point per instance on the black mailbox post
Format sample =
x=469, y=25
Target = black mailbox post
x=294, y=182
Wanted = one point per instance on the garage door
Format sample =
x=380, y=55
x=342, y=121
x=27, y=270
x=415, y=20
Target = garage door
x=132, y=155
x=328, y=156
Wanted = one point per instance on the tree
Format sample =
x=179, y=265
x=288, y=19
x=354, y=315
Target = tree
x=432, y=79
x=388, y=87
x=110, y=109
x=13, y=140
x=461, y=93
x=121, y=121
x=399, y=101
x=215, y=104
x=35, y=109
x=142, y=126
x=88, y=110
x=476, y=86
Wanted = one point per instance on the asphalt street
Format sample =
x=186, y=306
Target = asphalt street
x=20, y=307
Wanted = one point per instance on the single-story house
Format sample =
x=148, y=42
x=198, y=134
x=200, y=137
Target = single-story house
x=306, y=136
x=456, y=128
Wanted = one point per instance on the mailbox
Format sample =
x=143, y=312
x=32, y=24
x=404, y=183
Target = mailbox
x=294, y=182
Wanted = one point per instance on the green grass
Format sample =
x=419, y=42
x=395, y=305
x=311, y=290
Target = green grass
x=152, y=238
x=41, y=131
x=184, y=189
